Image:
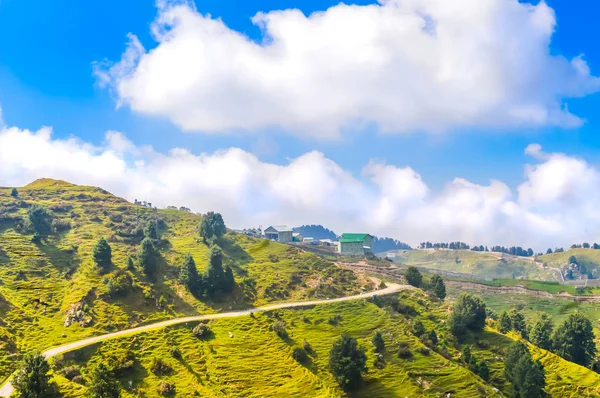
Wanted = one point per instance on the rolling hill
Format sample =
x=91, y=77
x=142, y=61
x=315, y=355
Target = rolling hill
x=45, y=286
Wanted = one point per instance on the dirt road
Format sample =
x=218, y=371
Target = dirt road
x=7, y=389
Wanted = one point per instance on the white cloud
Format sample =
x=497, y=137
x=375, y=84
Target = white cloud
x=405, y=65
x=555, y=205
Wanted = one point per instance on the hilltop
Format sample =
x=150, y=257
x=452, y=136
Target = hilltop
x=49, y=284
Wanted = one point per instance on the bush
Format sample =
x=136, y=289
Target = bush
x=299, y=354
x=378, y=342
x=40, y=219
x=36, y=239
x=212, y=226
x=32, y=379
x=307, y=347
x=102, y=382
x=175, y=353
x=165, y=388
x=404, y=353
x=70, y=372
x=280, y=330
x=118, y=284
x=424, y=350
x=159, y=367
x=201, y=331
x=407, y=310
x=418, y=329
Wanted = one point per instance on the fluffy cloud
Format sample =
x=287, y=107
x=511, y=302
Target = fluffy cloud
x=404, y=65
x=555, y=205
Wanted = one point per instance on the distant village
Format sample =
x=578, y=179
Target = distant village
x=352, y=244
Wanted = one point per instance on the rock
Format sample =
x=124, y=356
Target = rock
x=230, y=334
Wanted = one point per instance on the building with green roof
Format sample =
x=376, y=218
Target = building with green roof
x=352, y=244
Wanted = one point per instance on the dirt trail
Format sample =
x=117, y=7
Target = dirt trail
x=481, y=288
x=7, y=389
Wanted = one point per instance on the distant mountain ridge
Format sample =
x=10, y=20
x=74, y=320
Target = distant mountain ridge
x=380, y=245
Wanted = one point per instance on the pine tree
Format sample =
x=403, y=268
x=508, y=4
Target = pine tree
x=229, y=279
x=147, y=257
x=14, y=193
x=102, y=254
x=574, y=340
x=102, y=382
x=505, y=322
x=438, y=287
x=41, y=219
x=150, y=230
x=378, y=342
x=215, y=275
x=130, y=264
x=32, y=380
x=413, y=276
x=347, y=362
x=518, y=322
x=188, y=274
x=541, y=332
x=212, y=225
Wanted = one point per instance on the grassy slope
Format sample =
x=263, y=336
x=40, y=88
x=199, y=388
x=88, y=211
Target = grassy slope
x=60, y=272
x=589, y=257
x=256, y=362
x=480, y=264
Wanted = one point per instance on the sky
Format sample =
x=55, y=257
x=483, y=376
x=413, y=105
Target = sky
x=469, y=120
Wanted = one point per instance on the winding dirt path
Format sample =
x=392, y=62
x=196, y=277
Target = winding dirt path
x=7, y=389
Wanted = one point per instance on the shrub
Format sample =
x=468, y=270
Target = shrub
x=212, y=226
x=61, y=225
x=280, y=330
x=70, y=372
x=14, y=193
x=147, y=257
x=378, y=342
x=424, y=350
x=407, y=310
x=159, y=367
x=299, y=354
x=40, y=218
x=118, y=284
x=418, y=329
x=165, y=388
x=201, y=331
x=175, y=353
x=36, y=239
x=307, y=347
x=404, y=353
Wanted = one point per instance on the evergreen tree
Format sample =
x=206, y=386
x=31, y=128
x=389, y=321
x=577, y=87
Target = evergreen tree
x=378, y=342
x=573, y=260
x=433, y=337
x=215, y=274
x=188, y=274
x=229, y=279
x=147, y=257
x=40, y=219
x=438, y=287
x=102, y=382
x=102, y=254
x=413, y=276
x=150, y=230
x=529, y=378
x=483, y=371
x=518, y=322
x=466, y=354
x=14, y=193
x=418, y=328
x=549, y=251
x=541, y=332
x=32, y=380
x=469, y=312
x=505, y=322
x=347, y=362
x=212, y=225
x=515, y=352
x=574, y=340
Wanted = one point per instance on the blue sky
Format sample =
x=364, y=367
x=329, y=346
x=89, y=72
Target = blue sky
x=47, y=79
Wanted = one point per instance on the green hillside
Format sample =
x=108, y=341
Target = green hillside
x=244, y=357
x=588, y=257
x=40, y=283
x=476, y=264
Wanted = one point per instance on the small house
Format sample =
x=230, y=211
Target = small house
x=297, y=237
x=355, y=244
x=279, y=233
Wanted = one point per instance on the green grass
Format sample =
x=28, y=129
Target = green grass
x=475, y=264
x=39, y=283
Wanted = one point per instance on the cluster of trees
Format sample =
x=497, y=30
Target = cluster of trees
x=573, y=339
x=585, y=245
x=514, y=250
x=436, y=285
x=451, y=245
x=39, y=218
x=217, y=278
x=556, y=250
x=479, y=367
x=347, y=362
